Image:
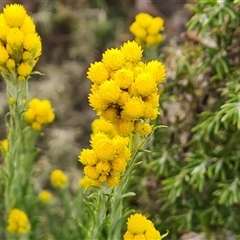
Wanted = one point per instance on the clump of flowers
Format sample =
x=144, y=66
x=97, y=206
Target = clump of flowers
x=58, y=179
x=139, y=227
x=20, y=45
x=147, y=29
x=18, y=222
x=106, y=161
x=39, y=113
x=45, y=196
x=125, y=89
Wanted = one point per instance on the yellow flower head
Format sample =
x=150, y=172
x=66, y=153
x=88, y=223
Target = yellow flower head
x=18, y=222
x=104, y=163
x=85, y=182
x=143, y=129
x=146, y=29
x=145, y=84
x=124, y=78
x=32, y=43
x=3, y=55
x=124, y=128
x=111, y=114
x=14, y=15
x=139, y=227
x=97, y=72
x=58, y=179
x=157, y=69
x=15, y=38
x=109, y=91
x=155, y=26
x=144, y=19
x=113, y=59
x=4, y=146
x=133, y=109
x=39, y=113
x=132, y=51
x=45, y=196
x=28, y=26
x=24, y=69
x=88, y=157
x=19, y=40
x=101, y=125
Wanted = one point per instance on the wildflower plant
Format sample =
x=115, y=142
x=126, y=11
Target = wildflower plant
x=20, y=48
x=125, y=96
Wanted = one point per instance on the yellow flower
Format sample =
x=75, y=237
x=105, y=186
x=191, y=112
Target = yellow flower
x=28, y=25
x=138, y=31
x=145, y=84
x=119, y=165
x=109, y=91
x=103, y=147
x=91, y=172
x=10, y=64
x=4, y=147
x=139, y=227
x=85, y=182
x=144, y=19
x=97, y=72
x=155, y=26
x=132, y=51
x=24, y=69
x=157, y=69
x=4, y=28
x=124, y=128
x=133, y=109
x=124, y=78
x=15, y=39
x=32, y=43
x=58, y=179
x=45, y=196
x=110, y=159
x=96, y=102
x=18, y=222
x=143, y=129
x=3, y=55
x=111, y=114
x=113, y=59
x=39, y=113
x=88, y=157
x=113, y=180
x=147, y=29
x=14, y=15
x=101, y=125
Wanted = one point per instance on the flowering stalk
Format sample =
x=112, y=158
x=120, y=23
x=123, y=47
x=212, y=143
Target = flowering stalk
x=20, y=48
x=125, y=95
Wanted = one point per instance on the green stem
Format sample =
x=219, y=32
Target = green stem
x=116, y=200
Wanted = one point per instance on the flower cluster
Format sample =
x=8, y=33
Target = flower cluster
x=39, y=113
x=58, y=179
x=105, y=162
x=18, y=222
x=20, y=45
x=146, y=29
x=45, y=196
x=139, y=227
x=125, y=89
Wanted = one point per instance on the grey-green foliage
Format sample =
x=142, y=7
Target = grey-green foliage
x=200, y=177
